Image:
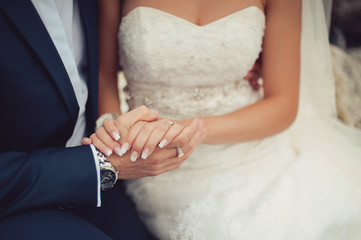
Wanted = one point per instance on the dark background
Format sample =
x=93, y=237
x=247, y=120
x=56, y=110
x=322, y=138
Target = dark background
x=346, y=23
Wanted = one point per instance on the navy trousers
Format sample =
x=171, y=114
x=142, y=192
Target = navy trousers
x=116, y=219
x=49, y=224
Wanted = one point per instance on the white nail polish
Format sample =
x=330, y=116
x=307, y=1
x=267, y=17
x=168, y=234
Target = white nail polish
x=86, y=140
x=118, y=151
x=125, y=148
x=115, y=136
x=162, y=143
x=145, y=153
x=108, y=152
x=134, y=156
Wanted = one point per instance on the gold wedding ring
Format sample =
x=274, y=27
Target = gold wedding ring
x=180, y=152
x=169, y=123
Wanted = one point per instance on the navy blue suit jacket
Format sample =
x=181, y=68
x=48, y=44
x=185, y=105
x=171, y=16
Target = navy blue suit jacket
x=38, y=112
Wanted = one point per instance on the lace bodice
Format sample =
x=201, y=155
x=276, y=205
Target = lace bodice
x=185, y=70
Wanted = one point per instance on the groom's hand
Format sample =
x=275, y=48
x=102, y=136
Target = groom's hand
x=255, y=74
x=162, y=160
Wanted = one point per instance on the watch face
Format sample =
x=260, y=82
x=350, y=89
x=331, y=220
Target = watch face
x=108, y=178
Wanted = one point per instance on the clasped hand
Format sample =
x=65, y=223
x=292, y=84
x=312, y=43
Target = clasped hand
x=138, y=144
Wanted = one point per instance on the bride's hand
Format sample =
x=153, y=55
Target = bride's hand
x=107, y=137
x=144, y=136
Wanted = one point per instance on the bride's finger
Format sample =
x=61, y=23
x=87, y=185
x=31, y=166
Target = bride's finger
x=165, y=130
x=195, y=141
x=100, y=145
x=111, y=144
x=192, y=144
x=111, y=128
x=129, y=119
x=128, y=141
x=167, y=159
x=176, y=161
x=171, y=134
x=187, y=133
x=150, y=132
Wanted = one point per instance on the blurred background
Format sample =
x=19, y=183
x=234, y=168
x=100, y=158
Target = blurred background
x=346, y=25
x=344, y=19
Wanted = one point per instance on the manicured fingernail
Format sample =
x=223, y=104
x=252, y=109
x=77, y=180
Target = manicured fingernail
x=108, y=151
x=86, y=140
x=115, y=136
x=125, y=148
x=162, y=143
x=118, y=151
x=154, y=112
x=134, y=156
x=203, y=137
x=145, y=153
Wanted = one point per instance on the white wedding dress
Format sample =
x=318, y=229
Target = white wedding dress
x=265, y=189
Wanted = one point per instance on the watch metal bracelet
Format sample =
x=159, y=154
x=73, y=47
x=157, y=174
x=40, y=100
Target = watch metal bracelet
x=101, y=157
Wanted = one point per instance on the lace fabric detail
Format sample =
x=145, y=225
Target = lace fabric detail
x=202, y=56
x=190, y=221
x=183, y=102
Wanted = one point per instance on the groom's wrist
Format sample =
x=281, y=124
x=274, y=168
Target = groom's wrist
x=108, y=173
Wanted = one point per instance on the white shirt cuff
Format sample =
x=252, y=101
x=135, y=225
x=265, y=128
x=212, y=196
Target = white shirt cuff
x=96, y=161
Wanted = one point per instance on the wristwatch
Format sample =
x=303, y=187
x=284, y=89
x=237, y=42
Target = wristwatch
x=108, y=174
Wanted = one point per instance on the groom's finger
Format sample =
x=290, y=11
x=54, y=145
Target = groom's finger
x=173, y=161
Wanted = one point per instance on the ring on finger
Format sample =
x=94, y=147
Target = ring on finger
x=180, y=152
x=169, y=123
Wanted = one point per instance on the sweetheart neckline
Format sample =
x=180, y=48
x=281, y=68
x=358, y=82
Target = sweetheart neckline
x=188, y=22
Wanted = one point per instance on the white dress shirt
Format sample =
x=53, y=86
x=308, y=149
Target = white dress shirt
x=62, y=21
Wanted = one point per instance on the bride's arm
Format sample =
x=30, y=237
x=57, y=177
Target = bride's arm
x=109, y=16
x=281, y=73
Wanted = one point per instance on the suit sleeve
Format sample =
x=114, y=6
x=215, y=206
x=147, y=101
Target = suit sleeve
x=51, y=177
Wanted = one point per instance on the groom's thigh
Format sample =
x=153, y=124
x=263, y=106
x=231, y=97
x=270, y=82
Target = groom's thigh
x=118, y=217
x=49, y=224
